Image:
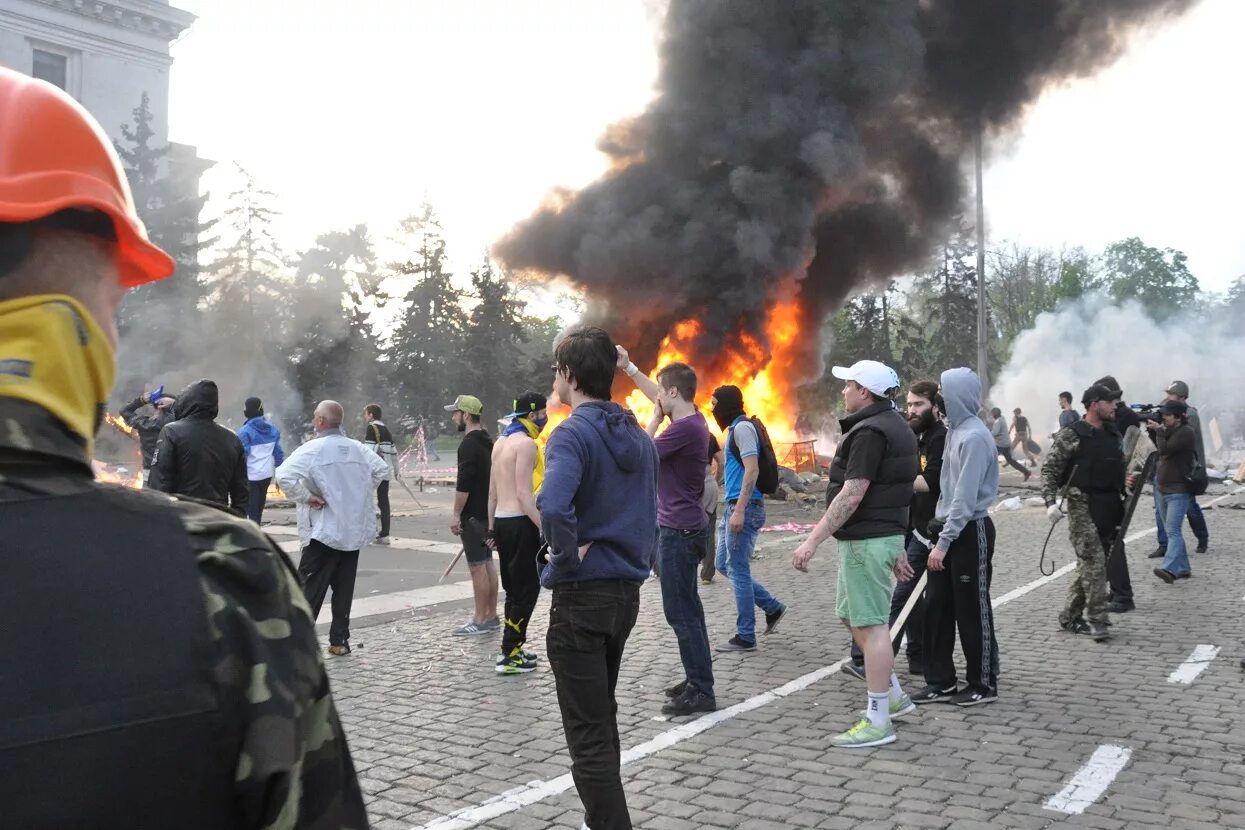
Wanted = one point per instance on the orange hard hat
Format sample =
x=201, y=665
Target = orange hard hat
x=54, y=156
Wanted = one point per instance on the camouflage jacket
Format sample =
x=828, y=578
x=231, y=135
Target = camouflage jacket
x=292, y=767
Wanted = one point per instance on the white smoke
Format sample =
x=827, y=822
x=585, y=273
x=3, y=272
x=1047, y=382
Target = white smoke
x=1070, y=348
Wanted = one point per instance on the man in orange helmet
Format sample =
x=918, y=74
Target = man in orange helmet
x=183, y=689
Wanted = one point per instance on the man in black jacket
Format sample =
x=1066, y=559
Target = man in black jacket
x=925, y=413
x=198, y=457
x=870, y=492
x=148, y=426
x=379, y=440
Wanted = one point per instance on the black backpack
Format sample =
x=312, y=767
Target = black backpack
x=1197, y=480
x=767, y=461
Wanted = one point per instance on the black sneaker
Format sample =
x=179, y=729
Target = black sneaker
x=1202, y=544
x=975, y=697
x=1120, y=606
x=1098, y=631
x=1159, y=553
x=1184, y=575
x=916, y=667
x=772, y=620
x=689, y=703
x=1077, y=626
x=1165, y=575
x=737, y=643
x=676, y=690
x=935, y=694
x=856, y=670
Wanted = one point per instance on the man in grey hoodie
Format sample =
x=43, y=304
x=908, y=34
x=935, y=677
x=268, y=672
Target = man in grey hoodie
x=960, y=564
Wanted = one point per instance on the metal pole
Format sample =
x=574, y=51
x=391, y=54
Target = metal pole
x=982, y=350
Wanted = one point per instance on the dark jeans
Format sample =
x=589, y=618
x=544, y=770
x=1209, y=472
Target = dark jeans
x=679, y=552
x=589, y=623
x=918, y=555
x=518, y=543
x=321, y=568
x=958, y=598
x=382, y=501
x=707, y=570
x=1006, y=452
x=258, y=497
x=1118, y=580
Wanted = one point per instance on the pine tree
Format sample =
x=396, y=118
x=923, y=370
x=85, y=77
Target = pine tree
x=491, y=354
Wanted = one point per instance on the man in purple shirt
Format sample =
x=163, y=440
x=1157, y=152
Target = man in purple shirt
x=683, y=450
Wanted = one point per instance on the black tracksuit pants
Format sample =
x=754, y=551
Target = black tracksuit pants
x=518, y=543
x=321, y=568
x=958, y=598
x=382, y=502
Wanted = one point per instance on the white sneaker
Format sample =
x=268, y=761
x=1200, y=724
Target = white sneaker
x=381, y=540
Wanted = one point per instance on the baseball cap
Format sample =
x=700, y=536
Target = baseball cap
x=1099, y=392
x=877, y=377
x=529, y=402
x=1178, y=387
x=466, y=403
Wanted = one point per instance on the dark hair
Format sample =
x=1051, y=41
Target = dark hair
x=588, y=355
x=1065, y=396
x=681, y=377
x=471, y=419
x=1016, y=411
x=928, y=389
x=373, y=409
x=996, y=412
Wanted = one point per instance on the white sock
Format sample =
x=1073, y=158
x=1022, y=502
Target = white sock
x=895, y=692
x=879, y=710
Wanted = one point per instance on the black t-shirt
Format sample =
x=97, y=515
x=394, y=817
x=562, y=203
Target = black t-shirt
x=475, y=461
x=1020, y=424
x=930, y=445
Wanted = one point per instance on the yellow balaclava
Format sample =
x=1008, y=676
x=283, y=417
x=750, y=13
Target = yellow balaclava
x=54, y=355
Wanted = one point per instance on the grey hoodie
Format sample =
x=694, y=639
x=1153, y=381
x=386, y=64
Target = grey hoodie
x=970, y=468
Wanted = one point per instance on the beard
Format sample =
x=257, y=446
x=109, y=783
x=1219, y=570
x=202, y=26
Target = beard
x=462, y=426
x=922, y=422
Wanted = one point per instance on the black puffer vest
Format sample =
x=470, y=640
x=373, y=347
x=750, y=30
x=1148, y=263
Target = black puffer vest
x=884, y=509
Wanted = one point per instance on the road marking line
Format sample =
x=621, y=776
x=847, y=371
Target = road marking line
x=1091, y=780
x=1196, y=663
x=519, y=797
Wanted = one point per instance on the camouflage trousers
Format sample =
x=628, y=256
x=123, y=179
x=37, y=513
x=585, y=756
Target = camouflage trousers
x=1088, y=591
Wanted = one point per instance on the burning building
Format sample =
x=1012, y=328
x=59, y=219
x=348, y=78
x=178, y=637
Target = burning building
x=793, y=153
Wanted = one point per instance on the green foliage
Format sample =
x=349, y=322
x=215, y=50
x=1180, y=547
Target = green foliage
x=1159, y=280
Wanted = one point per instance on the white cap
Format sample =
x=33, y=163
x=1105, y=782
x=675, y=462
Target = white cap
x=878, y=378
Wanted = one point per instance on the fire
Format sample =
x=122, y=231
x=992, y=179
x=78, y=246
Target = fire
x=116, y=474
x=121, y=425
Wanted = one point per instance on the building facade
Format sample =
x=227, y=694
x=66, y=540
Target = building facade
x=105, y=53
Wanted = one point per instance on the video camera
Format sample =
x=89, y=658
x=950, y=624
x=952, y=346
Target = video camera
x=1147, y=411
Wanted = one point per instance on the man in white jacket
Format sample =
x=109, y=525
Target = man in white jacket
x=333, y=479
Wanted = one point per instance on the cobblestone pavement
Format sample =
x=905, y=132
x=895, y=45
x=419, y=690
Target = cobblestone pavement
x=436, y=733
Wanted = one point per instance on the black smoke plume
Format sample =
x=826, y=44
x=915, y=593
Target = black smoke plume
x=806, y=145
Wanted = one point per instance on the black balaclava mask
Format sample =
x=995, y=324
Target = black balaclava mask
x=728, y=404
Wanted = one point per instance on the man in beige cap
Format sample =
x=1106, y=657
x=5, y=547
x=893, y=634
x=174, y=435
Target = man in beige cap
x=470, y=517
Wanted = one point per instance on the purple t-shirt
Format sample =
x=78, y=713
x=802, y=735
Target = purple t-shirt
x=684, y=452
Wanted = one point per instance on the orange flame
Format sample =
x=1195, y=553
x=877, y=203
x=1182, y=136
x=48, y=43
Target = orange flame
x=121, y=425
x=113, y=474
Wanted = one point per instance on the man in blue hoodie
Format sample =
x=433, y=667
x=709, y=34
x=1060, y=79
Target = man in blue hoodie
x=961, y=563
x=261, y=441
x=598, y=510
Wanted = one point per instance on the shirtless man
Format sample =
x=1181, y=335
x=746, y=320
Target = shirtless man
x=517, y=471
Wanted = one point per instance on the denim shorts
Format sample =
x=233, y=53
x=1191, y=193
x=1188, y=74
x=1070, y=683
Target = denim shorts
x=863, y=595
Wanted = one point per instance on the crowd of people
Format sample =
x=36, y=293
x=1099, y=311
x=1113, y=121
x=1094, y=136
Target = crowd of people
x=206, y=704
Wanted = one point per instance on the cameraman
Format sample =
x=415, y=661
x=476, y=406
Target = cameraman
x=1179, y=391
x=1177, y=452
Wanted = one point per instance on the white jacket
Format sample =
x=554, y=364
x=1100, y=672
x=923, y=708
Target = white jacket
x=345, y=475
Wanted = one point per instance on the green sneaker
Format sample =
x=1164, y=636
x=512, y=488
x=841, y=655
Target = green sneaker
x=865, y=734
x=898, y=708
x=516, y=662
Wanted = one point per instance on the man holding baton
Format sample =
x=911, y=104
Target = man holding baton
x=870, y=492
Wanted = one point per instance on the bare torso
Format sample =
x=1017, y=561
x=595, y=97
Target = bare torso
x=514, y=458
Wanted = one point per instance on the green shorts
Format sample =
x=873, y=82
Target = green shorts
x=865, y=571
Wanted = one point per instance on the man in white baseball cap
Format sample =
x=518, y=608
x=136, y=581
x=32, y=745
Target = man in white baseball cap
x=878, y=378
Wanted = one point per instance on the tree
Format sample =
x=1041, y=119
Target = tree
x=170, y=206
x=1159, y=280
x=945, y=300
x=425, y=352
x=333, y=347
x=491, y=352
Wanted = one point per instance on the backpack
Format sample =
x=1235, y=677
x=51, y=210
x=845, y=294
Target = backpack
x=1197, y=480
x=767, y=460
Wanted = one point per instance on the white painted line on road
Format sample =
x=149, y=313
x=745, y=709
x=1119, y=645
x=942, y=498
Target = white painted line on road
x=1091, y=780
x=1197, y=662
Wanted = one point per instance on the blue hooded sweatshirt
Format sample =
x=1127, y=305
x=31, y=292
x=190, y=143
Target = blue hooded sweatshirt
x=261, y=441
x=600, y=488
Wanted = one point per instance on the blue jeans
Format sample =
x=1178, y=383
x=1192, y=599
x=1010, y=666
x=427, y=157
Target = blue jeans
x=734, y=558
x=680, y=552
x=1197, y=521
x=1174, y=507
